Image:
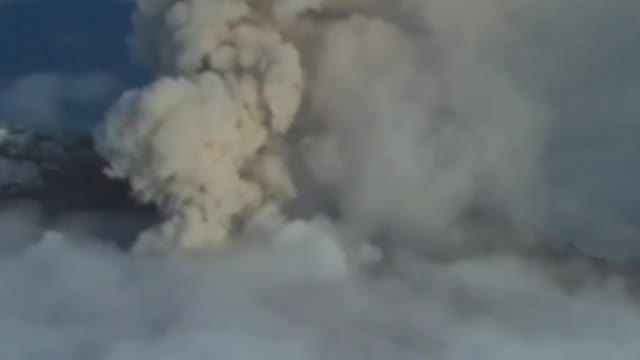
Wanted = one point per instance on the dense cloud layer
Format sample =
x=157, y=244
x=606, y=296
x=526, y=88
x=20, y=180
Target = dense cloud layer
x=293, y=296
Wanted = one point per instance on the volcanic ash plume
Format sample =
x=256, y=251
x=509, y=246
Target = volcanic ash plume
x=399, y=119
x=199, y=142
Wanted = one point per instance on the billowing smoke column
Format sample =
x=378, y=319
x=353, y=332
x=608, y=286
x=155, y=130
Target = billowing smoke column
x=405, y=136
x=199, y=141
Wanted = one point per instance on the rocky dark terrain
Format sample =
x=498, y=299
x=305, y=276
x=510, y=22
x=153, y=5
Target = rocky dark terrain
x=61, y=173
x=65, y=177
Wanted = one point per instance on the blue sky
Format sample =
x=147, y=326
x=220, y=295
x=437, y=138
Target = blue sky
x=69, y=57
x=63, y=36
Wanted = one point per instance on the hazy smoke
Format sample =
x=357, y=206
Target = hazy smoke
x=415, y=134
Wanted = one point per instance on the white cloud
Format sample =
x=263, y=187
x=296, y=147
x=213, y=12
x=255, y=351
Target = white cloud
x=290, y=297
x=39, y=100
